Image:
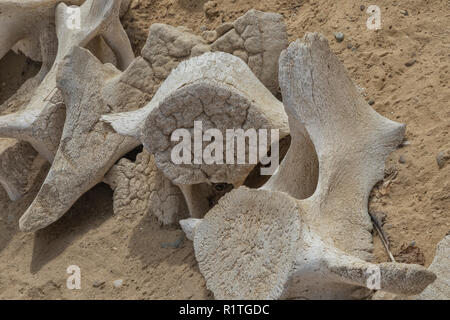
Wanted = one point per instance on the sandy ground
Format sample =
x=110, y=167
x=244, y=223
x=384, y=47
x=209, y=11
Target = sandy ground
x=414, y=198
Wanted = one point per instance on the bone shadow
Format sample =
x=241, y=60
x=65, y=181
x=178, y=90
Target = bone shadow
x=154, y=244
x=15, y=70
x=89, y=212
x=11, y=211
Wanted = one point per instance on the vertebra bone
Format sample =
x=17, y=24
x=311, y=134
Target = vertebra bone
x=269, y=243
x=124, y=92
x=87, y=149
x=29, y=25
x=167, y=46
x=221, y=91
x=38, y=108
x=140, y=188
x=41, y=121
x=32, y=22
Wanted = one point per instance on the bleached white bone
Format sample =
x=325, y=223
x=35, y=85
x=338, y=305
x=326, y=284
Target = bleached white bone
x=352, y=141
x=87, y=149
x=256, y=37
x=256, y=244
x=189, y=225
x=30, y=25
x=268, y=243
x=138, y=82
x=217, y=89
x=41, y=121
x=141, y=188
x=33, y=22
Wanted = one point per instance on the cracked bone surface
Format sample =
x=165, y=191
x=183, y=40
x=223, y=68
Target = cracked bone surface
x=141, y=188
x=219, y=90
x=165, y=48
x=36, y=111
x=88, y=148
x=168, y=46
x=256, y=37
x=40, y=121
x=272, y=243
x=27, y=26
x=132, y=89
x=256, y=244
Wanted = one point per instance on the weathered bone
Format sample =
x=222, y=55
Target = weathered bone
x=268, y=244
x=440, y=289
x=255, y=245
x=220, y=90
x=30, y=25
x=256, y=37
x=17, y=175
x=33, y=22
x=263, y=37
x=140, y=188
x=76, y=168
x=41, y=121
x=127, y=92
x=189, y=227
x=27, y=26
x=351, y=139
x=167, y=46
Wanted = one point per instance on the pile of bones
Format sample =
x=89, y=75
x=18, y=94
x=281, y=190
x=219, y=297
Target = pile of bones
x=305, y=233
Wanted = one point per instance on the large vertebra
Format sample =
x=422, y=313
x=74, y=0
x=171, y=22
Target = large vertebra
x=271, y=243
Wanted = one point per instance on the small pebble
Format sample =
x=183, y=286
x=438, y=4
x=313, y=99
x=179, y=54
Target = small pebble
x=402, y=159
x=98, y=284
x=339, y=36
x=118, y=283
x=371, y=102
x=413, y=243
x=406, y=143
x=441, y=159
x=362, y=7
x=349, y=45
x=404, y=12
x=410, y=62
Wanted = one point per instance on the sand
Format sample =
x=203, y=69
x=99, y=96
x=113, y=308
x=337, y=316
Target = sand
x=414, y=198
